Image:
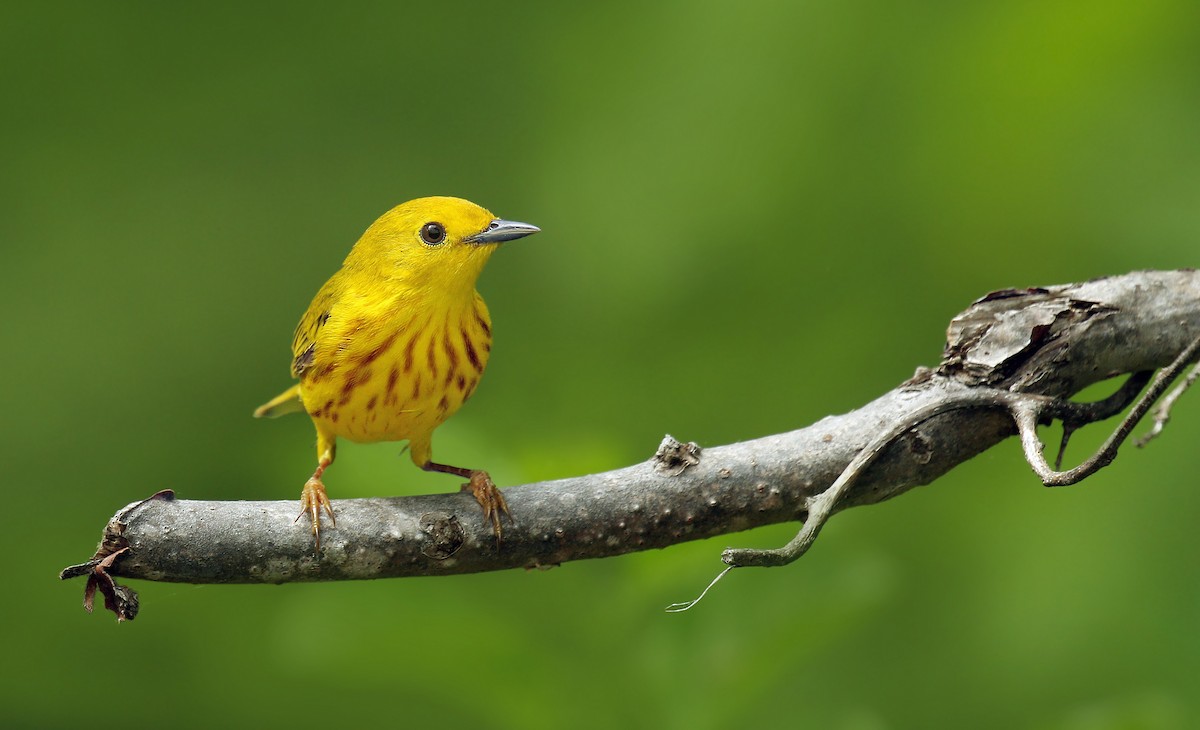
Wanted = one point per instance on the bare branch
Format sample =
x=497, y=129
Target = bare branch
x=1011, y=360
x=1026, y=413
x=1162, y=414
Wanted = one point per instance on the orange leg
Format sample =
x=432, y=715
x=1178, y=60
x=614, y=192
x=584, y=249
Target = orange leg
x=485, y=491
x=313, y=499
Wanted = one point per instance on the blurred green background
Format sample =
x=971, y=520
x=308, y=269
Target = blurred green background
x=754, y=214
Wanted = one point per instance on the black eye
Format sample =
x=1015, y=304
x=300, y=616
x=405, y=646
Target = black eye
x=433, y=233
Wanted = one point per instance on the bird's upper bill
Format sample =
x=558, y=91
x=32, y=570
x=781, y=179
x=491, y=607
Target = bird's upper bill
x=500, y=230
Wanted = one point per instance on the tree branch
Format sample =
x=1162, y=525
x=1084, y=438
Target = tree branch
x=1011, y=360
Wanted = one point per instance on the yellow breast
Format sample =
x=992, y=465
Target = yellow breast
x=400, y=378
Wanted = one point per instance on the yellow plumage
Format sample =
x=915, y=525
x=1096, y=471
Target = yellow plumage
x=397, y=340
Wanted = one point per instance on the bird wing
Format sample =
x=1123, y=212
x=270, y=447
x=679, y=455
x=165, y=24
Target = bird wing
x=304, y=341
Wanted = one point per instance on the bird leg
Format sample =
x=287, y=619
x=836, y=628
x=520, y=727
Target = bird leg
x=488, y=495
x=313, y=499
x=485, y=491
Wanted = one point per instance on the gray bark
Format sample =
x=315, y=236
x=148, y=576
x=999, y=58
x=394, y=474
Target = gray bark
x=1048, y=342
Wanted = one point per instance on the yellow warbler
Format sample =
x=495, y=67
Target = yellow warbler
x=396, y=341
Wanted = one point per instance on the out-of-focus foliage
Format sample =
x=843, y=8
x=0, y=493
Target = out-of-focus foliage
x=754, y=214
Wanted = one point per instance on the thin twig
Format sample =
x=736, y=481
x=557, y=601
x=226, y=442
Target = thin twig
x=1162, y=414
x=820, y=508
x=1027, y=413
x=1075, y=416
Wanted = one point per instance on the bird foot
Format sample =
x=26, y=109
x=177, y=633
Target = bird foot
x=488, y=495
x=313, y=499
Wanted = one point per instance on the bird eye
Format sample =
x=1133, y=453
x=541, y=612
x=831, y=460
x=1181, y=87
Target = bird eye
x=433, y=233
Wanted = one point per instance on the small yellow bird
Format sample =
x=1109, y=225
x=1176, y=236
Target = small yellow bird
x=396, y=341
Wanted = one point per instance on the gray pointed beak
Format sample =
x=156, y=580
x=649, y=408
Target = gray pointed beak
x=499, y=231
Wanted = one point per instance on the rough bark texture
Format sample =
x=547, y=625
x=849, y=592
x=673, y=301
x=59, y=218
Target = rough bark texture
x=1043, y=342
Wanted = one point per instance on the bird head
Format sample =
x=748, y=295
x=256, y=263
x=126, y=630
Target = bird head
x=437, y=243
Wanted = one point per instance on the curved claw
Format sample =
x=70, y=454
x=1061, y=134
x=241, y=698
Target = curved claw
x=313, y=500
x=488, y=495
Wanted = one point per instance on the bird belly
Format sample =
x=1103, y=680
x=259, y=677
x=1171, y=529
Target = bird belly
x=402, y=387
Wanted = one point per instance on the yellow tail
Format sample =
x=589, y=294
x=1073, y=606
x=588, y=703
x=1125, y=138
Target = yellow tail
x=286, y=402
